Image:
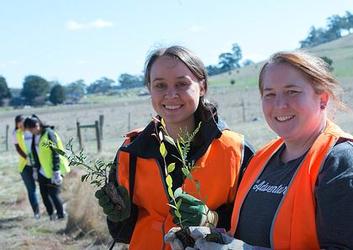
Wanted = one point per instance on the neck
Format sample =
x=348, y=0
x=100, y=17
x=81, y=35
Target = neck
x=295, y=149
x=177, y=131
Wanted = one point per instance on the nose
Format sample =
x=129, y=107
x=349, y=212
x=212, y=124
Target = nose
x=281, y=101
x=171, y=93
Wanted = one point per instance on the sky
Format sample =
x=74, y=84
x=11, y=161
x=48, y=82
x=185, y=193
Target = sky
x=68, y=40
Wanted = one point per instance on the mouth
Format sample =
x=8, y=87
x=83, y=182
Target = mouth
x=172, y=107
x=284, y=118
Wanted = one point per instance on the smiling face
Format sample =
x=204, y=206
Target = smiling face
x=290, y=105
x=175, y=92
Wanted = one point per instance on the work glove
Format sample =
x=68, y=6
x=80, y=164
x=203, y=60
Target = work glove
x=180, y=239
x=217, y=241
x=194, y=212
x=35, y=174
x=57, y=179
x=205, y=238
x=115, y=201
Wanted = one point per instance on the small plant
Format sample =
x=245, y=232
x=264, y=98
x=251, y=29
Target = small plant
x=97, y=172
x=183, y=145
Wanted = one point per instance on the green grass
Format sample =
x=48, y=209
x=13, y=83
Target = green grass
x=340, y=51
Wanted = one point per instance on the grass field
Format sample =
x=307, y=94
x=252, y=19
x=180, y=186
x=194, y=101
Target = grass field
x=239, y=106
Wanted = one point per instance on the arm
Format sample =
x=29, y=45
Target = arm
x=121, y=231
x=20, y=152
x=334, y=196
x=56, y=158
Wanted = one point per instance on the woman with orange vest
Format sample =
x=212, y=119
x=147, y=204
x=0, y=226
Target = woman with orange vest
x=177, y=82
x=48, y=164
x=22, y=141
x=297, y=191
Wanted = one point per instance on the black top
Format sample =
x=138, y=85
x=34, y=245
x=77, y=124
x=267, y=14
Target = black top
x=146, y=145
x=333, y=193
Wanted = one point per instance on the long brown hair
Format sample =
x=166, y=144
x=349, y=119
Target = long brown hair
x=205, y=110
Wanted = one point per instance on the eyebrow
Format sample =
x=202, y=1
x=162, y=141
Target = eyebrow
x=286, y=86
x=161, y=79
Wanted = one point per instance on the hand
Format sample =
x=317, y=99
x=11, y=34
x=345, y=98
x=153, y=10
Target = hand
x=194, y=212
x=35, y=174
x=180, y=239
x=227, y=242
x=115, y=201
x=57, y=179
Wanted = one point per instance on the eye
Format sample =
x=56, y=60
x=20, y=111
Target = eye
x=268, y=95
x=159, y=85
x=293, y=92
x=182, y=85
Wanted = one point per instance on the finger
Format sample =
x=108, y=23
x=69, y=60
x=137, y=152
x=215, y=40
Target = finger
x=104, y=200
x=170, y=236
x=99, y=193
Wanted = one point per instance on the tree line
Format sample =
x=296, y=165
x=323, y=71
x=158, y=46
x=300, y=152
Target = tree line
x=336, y=25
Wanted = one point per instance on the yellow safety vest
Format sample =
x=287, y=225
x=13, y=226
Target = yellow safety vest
x=21, y=143
x=45, y=156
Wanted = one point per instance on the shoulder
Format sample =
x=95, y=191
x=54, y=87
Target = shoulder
x=338, y=164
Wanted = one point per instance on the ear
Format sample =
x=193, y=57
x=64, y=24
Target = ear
x=324, y=98
x=202, y=88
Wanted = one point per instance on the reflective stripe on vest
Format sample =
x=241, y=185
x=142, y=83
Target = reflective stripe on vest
x=294, y=224
x=21, y=143
x=45, y=156
x=221, y=162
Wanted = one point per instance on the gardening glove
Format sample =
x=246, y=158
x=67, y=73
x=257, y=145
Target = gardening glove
x=35, y=174
x=217, y=241
x=57, y=179
x=180, y=239
x=194, y=212
x=115, y=201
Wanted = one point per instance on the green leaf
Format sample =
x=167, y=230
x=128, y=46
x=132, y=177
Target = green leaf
x=171, y=167
x=177, y=214
x=170, y=192
x=163, y=150
x=169, y=139
x=83, y=177
x=179, y=203
x=169, y=181
x=186, y=172
x=178, y=192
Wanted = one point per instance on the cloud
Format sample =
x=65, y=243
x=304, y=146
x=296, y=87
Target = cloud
x=73, y=25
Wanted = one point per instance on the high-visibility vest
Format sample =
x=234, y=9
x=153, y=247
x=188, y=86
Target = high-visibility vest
x=217, y=172
x=294, y=224
x=21, y=143
x=45, y=156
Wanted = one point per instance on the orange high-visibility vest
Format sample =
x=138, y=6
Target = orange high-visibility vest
x=294, y=224
x=217, y=172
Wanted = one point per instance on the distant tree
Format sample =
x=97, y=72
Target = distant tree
x=57, y=94
x=229, y=61
x=248, y=62
x=76, y=89
x=213, y=70
x=328, y=61
x=4, y=90
x=130, y=81
x=35, y=89
x=102, y=85
x=237, y=54
x=335, y=24
x=348, y=22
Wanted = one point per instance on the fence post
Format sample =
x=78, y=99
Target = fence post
x=101, y=122
x=79, y=134
x=99, y=145
x=7, y=138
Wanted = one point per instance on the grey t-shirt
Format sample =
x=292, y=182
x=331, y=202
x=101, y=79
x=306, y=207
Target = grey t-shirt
x=333, y=193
